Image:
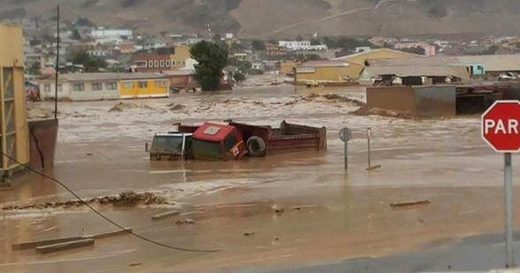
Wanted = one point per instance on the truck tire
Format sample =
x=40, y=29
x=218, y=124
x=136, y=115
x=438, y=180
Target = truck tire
x=256, y=146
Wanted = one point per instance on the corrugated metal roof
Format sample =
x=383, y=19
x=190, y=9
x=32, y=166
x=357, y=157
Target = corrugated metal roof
x=493, y=63
x=325, y=63
x=348, y=57
x=417, y=71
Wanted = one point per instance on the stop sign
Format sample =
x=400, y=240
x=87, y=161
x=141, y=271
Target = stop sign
x=501, y=126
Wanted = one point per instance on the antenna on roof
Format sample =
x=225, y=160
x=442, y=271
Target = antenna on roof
x=57, y=62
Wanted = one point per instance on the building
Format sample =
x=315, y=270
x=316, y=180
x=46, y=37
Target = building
x=14, y=130
x=295, y=45
x=105, y=86
x=323, y=72
x=429, y=50
x=493, y=65
x=165, y=59
x=181, y=79
x=111, y=36
x=414, y=74
x=274, y=51
x=358, y=61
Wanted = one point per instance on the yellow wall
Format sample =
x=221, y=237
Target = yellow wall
x=11, y=46
x=324, y=74
x=11, y=58
x=182, y=53
x=287, y=67
x=152, y=89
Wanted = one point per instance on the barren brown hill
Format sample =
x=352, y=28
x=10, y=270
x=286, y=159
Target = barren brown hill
x=288, y=18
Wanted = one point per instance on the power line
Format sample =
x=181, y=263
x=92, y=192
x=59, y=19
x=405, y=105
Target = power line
x=105, y=217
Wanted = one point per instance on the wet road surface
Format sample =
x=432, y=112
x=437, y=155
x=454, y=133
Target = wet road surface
x=329, y=214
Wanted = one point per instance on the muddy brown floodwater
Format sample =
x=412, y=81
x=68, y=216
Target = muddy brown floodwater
x=285, y=210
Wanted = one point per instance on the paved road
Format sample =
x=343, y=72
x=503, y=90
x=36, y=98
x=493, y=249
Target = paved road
x=479, y=253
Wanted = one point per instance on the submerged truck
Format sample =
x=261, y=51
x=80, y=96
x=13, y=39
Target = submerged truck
x=232, y=140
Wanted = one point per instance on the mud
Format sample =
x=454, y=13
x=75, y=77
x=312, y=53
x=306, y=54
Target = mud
x=124, y=199
x=329, y=213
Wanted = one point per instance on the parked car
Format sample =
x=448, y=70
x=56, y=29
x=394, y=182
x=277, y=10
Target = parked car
x=508, y=76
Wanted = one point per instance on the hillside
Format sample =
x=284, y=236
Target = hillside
x=287, y=18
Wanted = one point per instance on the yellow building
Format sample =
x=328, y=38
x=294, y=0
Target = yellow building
x=323, y=72
x=144, y=88
x=287, y=68
x=179, y=57
x=358, y=61
x=14, y=136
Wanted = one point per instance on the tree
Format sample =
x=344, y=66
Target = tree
x=34, y=69
x=212, y=58
x=315, y=41
x=258, y=45
x=415, y=50
x=239, y=76
x=90, y=63
x=299, y=37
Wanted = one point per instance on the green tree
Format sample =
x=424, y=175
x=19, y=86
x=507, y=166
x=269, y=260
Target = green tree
x=239, y=76
x=212, y=58
x=90, y=63
x=258, y=45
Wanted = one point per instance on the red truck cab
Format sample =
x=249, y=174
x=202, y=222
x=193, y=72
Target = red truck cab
x=214, y=141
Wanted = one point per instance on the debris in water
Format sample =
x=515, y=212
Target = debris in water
x=187, y=221
x=410, y=204
x=124, y=199
x=277, y=209
x=135, y=264
x=249, y=233
x=176, y=107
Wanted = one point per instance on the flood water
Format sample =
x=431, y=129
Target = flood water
x=329, y=213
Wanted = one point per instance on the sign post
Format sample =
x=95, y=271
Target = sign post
x=501, y=130
x=369, y=137
x=345, y=135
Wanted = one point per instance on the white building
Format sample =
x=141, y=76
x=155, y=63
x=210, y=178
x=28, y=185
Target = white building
x=111, y=36
x=104, y=86
x=295, y=45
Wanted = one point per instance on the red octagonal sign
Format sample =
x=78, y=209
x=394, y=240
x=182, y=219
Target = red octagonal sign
x=501, y=126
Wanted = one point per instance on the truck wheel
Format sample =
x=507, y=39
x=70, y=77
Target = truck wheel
x=255, y=146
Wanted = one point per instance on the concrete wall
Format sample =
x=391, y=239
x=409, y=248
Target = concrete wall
x=90, y=94
x=422, y=101
x=43, y=137
x=67, y=91
x=435, y=100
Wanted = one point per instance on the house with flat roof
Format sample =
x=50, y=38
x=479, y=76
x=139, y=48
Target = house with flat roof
x=105, y=86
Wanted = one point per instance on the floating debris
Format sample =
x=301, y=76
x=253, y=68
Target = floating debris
x=124, y=199
x=410, y=204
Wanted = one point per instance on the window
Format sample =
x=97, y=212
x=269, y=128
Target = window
x=150, y=64
x=141, y=64
x=129, y=85
x=156, y=63
x=78, y=87
x=230, y=142
x=97, y=86
x=160, y=83
x=47, y=88
x=142, y=84
x=110, y=86
x=173, y=63
x=60, y=87
x=162, y=63
x=168, y=63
